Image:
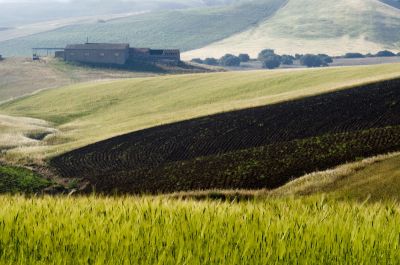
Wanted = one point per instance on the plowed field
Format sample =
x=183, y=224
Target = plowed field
x=260, y=147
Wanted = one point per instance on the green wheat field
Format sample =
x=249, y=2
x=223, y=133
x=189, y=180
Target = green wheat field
x=145, y=230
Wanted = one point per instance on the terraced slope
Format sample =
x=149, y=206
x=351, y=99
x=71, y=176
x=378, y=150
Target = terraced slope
x=183, y=29
x=315, y=26
x=261, y=147
x=87, y=113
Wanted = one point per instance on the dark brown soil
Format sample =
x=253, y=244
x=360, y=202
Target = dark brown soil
x=253, y=148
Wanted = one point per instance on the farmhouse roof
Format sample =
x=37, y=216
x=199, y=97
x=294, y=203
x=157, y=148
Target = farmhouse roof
x=98, y=46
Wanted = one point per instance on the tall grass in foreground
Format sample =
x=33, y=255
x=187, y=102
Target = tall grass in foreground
x=164, y=231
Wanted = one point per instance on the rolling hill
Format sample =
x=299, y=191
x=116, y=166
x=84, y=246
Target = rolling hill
x=85, y=114
x=184, y=29
x=255, y=148
x=289, y=26
x=19, y=77
x=90, y=112
x=309, y=26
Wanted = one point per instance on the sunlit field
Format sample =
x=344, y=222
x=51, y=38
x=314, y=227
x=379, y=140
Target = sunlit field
x=134, y=230
x=86, y=113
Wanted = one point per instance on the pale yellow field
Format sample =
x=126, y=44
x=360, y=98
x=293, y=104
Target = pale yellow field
x=22, y=76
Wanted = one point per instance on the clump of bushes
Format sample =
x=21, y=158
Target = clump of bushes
x=385, y=54
x=226, y=60
x=229, y=60
x=269, y=59
x=272, y=62
x=211, y=61
x=312, y=60
x=287, y=59
x=353, y=55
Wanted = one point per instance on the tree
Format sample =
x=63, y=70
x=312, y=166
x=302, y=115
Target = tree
x=287, y=59
x=298, y=56
x=229, y=60
x=264, y=54
x=312, y=60
x=244, y=57
x=385, y=54
x=353, y=55
x=211, y=61
x=326, y=58
x=197, y=60
x=398, y=54
x=272, y=62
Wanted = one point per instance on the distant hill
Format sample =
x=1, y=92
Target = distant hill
x=315, y=26
x=184, y=29
x=289, y=26
x=394, y=3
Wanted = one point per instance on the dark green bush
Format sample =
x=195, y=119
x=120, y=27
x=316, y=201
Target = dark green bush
x=272, y=62
x=229, y=60
x=244, y=57
x=385, y=54
x=211, y=61
x=353, y=55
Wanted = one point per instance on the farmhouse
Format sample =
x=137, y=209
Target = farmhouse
x=116, y=54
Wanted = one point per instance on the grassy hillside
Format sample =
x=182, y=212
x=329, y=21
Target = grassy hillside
x=19, y=76
x=87, y=113
x=20, y=180
x=373, y=179
x=184, y=29
x=289, y=26
x=310, y=26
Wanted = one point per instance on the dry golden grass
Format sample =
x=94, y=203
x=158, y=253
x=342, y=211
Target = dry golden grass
x=22, y=76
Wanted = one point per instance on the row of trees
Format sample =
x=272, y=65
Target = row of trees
x=226, y=60
x=384, y=53
x=271, y=60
